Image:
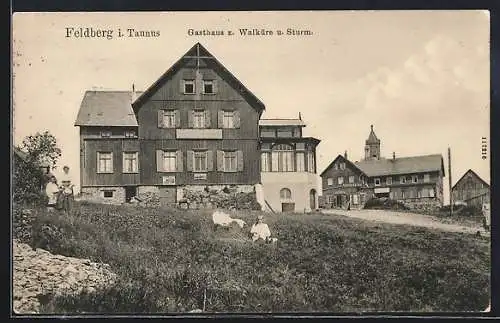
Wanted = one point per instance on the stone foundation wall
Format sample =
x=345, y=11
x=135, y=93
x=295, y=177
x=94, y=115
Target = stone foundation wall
x=97, y=194
x=218, y=196
x=426, y=205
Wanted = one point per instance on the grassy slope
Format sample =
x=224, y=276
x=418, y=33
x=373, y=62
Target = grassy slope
x=172, y=261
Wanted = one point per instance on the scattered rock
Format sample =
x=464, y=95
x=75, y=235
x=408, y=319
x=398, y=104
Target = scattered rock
x=39, y=273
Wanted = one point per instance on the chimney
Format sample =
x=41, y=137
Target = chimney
x=393, y=156
x=134, y=94
x=300, y=116
x=345, y=154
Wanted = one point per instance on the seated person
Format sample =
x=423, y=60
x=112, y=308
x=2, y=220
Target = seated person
x=260, y=230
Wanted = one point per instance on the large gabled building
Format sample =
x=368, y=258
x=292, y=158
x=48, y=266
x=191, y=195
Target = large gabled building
x=415, y=180
x=196, y=127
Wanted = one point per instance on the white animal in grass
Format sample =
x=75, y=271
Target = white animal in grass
x=223, y=219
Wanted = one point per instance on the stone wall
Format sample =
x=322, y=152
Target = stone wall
x=426, y=205
x=219, y=196
x=97, y=194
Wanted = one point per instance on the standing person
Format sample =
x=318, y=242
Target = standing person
x=67, y=189
x=52, y=192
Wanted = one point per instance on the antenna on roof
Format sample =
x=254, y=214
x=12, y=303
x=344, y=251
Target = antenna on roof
x=133, y=87
x=300, y=116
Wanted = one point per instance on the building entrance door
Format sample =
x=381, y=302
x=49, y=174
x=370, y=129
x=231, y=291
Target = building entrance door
x=312, y=199
x=168, y=196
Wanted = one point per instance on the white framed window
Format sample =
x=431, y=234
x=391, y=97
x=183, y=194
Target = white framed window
x=427, y=178
x=230, y=161
x=310, y=162
x=200, y=161
x=282, y=158
x=388, y=180
x=340, y=180
x=169, y=118
x=431, y=192
x=189, y=87
x=198, y=119
x=228, y=119
x=130, y=162
x=414, y=179
x=335, y=166
x=402, y=179
x=285, y=194
x=342, y=166
x=130, y=134
x=264, y=162
x=106, y=133
x=329, y=181
x=351, y=179
x=107, y=194
x=104, y=162
x=419, y=193
x=208, y=87
x=169, y=161
x=377, y=181
x=300, y=162
x=355, y=199
x=403, y=195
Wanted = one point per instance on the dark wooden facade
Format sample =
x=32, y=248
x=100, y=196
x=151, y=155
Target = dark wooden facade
x=472, y=190
x=153, y=136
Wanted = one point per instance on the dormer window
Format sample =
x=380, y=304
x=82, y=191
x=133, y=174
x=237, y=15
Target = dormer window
x=189, y=87
x=105, y=133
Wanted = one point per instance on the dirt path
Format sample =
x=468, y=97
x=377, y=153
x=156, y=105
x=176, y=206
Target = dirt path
x=406, y=218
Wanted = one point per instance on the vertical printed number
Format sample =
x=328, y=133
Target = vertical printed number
x=484, y=148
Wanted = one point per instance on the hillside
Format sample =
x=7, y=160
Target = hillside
x=174, y=261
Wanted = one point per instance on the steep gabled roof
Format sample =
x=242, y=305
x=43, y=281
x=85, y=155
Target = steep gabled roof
x=347, y=161
x=470, y=171
x=106, y=108
x=199, y=51
x=402, y=165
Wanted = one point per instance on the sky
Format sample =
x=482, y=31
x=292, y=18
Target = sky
x=421, y=78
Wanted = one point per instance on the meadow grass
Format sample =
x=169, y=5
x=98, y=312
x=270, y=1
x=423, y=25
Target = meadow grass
x=171, y=260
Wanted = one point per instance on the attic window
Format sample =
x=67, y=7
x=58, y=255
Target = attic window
x=208, y=87
x=106, y=133
x=188, y=86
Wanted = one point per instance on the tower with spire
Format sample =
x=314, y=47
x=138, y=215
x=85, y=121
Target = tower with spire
x=372, y=146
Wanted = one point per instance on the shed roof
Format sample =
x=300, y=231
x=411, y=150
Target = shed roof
x=402, y=165
x=106, y=108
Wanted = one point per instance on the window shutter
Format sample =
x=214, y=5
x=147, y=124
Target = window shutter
x=97, y=162
x=123, y=162
x=189, y=162
x=160, y=119
x=239, y=157
x=179, y=162
x=220, y=119
x=190, y=119
x=214, y=86
x=220, y=160
x=207, y=119
x=181, y=86
x=159, y=160
x=236, y=120
x=210, y=160
x=177, y=119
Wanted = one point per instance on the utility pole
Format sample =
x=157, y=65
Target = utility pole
x=449, y=181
